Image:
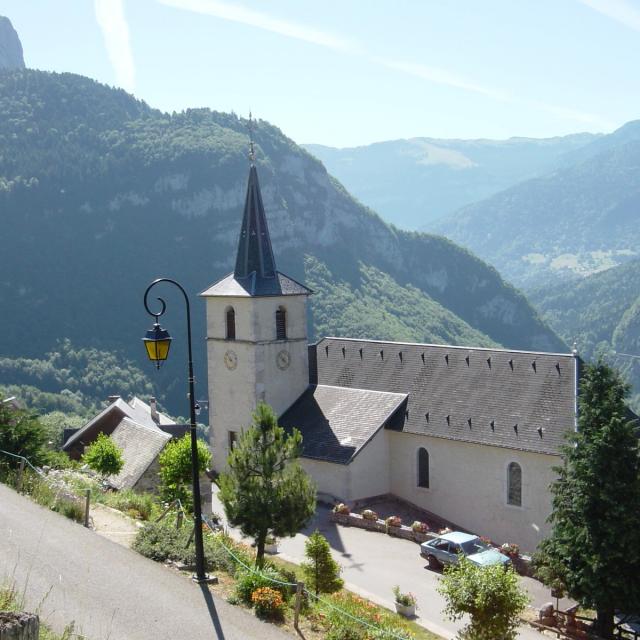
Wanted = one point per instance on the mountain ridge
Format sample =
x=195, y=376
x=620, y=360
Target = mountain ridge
x=101, y=194
x=412, y=182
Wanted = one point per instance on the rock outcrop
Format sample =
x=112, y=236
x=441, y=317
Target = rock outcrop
x=10, y=46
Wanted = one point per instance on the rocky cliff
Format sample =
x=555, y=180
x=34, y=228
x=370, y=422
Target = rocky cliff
x=10, y=47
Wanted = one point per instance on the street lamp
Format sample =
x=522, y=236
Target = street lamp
x=157, y=342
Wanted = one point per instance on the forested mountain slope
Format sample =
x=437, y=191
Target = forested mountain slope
x=567, y=224
x=413, y=182
x=601, y=313
x=100, y=194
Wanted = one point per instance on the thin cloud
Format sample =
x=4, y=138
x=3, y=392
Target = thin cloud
x=439, y=76
x=449, y=79
x=237, y=13
x=619, y=10
x=115, y=30
x=259, y=20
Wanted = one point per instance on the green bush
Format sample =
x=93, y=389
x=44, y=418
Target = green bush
x=162, y=541
x=104, y=456
x=250, y=581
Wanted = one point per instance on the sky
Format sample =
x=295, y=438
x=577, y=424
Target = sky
x=351, y=72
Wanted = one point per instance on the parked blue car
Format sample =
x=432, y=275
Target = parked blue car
x=446, y=549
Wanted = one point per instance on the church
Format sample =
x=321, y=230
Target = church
x=470, y=434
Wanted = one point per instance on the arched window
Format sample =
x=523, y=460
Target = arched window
x=514, y=484
x=423, y=468
x=281, y=324
x=231, y=323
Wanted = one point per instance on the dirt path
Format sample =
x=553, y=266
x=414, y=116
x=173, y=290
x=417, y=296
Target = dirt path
x=114, y=525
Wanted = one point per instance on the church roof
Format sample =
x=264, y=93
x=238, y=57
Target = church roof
x=336, y=422
x=255, y=273
x=514, y=399
x=252, y=286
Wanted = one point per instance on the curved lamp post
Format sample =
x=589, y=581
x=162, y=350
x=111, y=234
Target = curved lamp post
x=157, y=342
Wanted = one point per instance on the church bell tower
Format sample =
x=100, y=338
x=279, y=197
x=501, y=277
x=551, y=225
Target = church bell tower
x=256, y=333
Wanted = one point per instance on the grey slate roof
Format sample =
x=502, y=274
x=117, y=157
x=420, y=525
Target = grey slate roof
x=336, y=422
x=279, y=285
x=136, y=409
x=140, y=445
x=514, y=399
x=255, y=273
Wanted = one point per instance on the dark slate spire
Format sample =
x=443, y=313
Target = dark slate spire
x=255, y=254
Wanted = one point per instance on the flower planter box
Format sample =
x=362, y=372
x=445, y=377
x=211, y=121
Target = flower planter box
x=406, y=610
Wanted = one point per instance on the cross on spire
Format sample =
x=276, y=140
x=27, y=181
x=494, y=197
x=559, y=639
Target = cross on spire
x=252, y=153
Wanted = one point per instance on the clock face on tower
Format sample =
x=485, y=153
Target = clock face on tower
x=230, y=360
x=283, y=359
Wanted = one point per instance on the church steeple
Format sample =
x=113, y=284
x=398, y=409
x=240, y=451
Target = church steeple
x=255, y=254
x=255, y=272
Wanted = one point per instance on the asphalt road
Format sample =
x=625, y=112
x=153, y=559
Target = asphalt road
x=69, y=573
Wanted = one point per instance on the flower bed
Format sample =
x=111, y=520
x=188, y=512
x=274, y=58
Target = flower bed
x=367, y=522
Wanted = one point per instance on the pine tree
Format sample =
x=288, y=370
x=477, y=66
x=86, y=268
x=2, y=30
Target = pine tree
x=265, y=491
x=322, y=572
x=594, y=547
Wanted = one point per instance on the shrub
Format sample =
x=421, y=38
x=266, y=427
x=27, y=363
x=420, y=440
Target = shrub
x=250, y=581
x=176, y=469
x=268, y=603
x=393, y=521
x=491, y=597
x=104, y=456
x=321, y=571
x=367, y=514
x=342, y=508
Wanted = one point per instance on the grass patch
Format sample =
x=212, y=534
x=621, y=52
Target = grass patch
x=12, y=600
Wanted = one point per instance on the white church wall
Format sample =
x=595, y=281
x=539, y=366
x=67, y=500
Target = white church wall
x=332, y=480
x=369, y=470
x=468, y=486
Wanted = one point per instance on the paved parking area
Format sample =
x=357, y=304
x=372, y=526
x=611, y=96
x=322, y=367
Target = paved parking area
x=373, y=563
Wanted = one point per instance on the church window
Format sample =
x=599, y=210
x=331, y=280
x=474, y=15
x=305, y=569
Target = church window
x=423, y=468
x=514, y=484
x=231, y=324
x=281, y=324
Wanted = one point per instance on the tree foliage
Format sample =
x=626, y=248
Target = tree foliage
x=491, y=596
x=594, y=547
x=321, y=571
x=265, y=491
x=22, y=434
x=176, y=469
x=104, y=456
x=73, y=379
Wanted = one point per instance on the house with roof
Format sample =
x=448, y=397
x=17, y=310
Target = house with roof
x=470, y=434
x=139, y=430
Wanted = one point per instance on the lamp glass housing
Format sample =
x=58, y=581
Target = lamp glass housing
x=157, y=342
